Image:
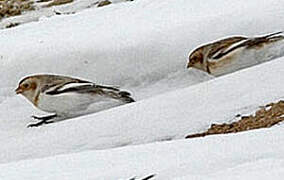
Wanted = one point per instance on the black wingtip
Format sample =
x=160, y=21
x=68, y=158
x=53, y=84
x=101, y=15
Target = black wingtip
x=273, y=34
x=124, y=93
x=128, y=99
x=145, y=178
x=149, y=177
x=126, y=96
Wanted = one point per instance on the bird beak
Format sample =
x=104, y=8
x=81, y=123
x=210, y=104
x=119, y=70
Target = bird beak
x=18, y=90
x=189, y=65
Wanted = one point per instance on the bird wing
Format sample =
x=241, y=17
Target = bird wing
x=55, y=82
x=225, y=46
x=273, y=34
x=57, y=85
x=259, y=41
x=249, y=43
x=91, y=88
x=78, y=87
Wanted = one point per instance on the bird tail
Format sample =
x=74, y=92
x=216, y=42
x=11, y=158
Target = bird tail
x=274, y=36
x=116, y=93
x=259, y=41
x=125, y=96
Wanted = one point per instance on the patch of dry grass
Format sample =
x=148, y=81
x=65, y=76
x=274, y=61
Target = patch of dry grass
x=14, y=7
x=266, y=117
x=17, y=7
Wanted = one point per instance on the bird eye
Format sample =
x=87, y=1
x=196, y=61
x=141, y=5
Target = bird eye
x=26, y=85
x=194, y=59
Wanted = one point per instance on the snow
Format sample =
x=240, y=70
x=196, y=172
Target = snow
x=167, y=116
x=146, y=53
x=256, y=154
x=42, y=12
x=124, y=40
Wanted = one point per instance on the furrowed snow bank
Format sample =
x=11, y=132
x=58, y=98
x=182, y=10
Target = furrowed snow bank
x=124, y=44
x=250, y=155
x=168, y=116
x=142, y=46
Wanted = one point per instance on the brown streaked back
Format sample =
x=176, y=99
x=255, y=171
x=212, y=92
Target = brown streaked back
x=223, y=44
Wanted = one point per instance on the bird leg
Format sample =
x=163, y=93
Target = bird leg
x=44, y=120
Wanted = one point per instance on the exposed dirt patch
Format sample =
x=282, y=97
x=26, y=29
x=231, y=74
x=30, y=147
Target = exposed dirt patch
x=17, y=7
x=46, y=8
x=266, y=117
x=14, y=7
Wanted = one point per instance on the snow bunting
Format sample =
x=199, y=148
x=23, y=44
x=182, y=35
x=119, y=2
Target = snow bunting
x=67, y=97
x=234, y=53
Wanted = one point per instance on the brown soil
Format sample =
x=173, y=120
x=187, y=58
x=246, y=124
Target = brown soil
x=17, y=7
x=266, y=117
x=14, y=7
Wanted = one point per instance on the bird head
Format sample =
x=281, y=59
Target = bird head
x=196, y=59
x=27, y=87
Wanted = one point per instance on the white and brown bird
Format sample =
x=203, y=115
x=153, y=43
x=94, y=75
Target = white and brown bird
x=237, y=52
x=67, y=97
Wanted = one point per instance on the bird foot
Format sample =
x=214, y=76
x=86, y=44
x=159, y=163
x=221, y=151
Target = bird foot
x=40, y=123
x=45, y=117
x=44, y=120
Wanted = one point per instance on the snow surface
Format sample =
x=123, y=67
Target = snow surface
x=168, y=116
x=42, y=12
x=142, y=46
x=132, y=45
x=255, y=154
